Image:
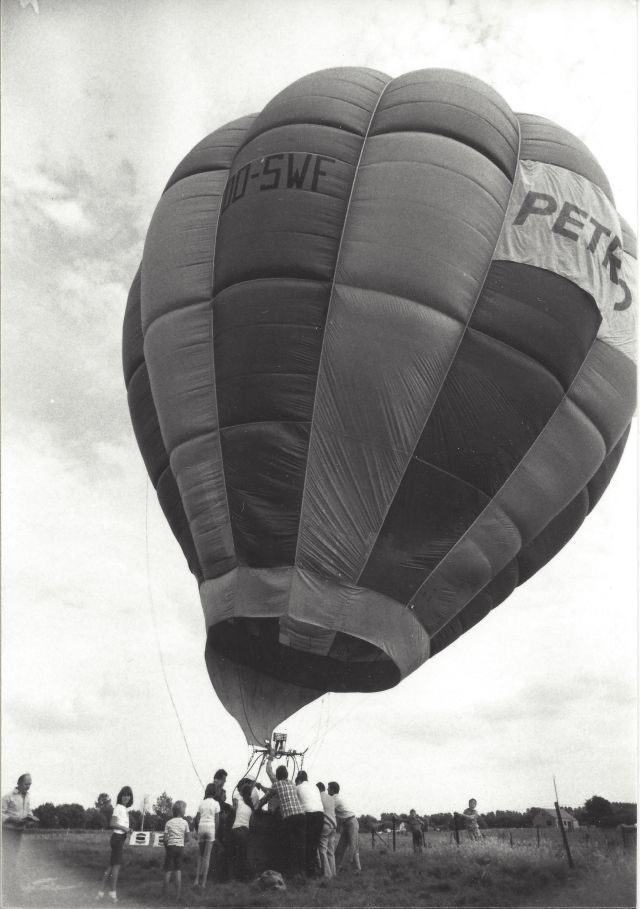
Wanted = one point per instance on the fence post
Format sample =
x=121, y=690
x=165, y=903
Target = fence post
x=455, y=828
x=373, y=840
x=538, y=836
x=511, y=839
x=564, y=835
x=393, y=832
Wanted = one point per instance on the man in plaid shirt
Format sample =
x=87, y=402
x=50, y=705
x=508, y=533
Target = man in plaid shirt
x=293, y=817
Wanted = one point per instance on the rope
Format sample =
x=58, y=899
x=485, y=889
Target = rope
x=346, y=713
x=155, y=630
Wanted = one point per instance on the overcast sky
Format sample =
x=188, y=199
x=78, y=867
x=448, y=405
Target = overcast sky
x=100, y=100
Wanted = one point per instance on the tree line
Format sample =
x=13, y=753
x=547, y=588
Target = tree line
x=596, y=812
x=75, y=816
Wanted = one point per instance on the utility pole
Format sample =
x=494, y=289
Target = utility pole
x=561, y=826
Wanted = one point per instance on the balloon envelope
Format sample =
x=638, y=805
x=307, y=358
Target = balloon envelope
x=379, y=361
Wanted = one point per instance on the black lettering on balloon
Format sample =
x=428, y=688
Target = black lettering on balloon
x=269, y=171
x=303, y=171
x=226, y=196
x=625, y=303
x=239, y=191
x=614, y=262
x=600, y=230
x=295, y=177
x=530, y=206
x=565, y=217
x=317, y=172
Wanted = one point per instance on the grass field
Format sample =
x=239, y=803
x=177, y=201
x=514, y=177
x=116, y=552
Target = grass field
x=63, y=872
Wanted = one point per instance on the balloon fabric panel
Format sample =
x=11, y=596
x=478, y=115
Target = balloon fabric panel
x=534, y=556
x=145, y=422
x=267, y=358
x=214, y=152
x=201, y=168
x=264, y=471
x=542, y=140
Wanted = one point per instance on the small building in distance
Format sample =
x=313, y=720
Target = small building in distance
x=547, y=817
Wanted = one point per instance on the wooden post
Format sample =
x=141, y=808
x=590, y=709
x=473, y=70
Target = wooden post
x=393, y=832
x=511, y=838
x=538, y=836
x=564, y=835
x=373, y=839
x=455, y=827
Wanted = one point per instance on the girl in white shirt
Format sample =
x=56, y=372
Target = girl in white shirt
x=207, y=820
x=240, y=832
x=119, y=824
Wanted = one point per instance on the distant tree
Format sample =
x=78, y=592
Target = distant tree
x=368, y=823
x=529, y=815
x=104, y=806
x=581, y=816
x=71, y=816
x=508, y=819
x=598, y=811
x=625, y=812
x=135, y=819
x=47, y=815
x=94, y=819
x=442, y=820
x=162, y=807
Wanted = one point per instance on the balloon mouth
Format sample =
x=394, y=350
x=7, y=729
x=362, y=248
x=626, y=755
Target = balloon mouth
x=278, y=638
x=352, y=665
x=310, y=631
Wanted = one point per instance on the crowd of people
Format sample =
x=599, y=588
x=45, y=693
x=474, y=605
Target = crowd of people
x=299, y=828
x=304, y=829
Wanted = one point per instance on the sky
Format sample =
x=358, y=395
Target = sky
x=100, y=101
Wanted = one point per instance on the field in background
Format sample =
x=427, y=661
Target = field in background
x=64, y=870
x=580, y=840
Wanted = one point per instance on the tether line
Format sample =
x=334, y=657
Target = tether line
x=155, y=630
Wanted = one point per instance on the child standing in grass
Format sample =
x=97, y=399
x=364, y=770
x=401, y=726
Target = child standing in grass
x=176, y=834
x=119, y=824
x=471, y=819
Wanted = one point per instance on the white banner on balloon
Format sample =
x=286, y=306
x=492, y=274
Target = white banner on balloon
x=562, y=222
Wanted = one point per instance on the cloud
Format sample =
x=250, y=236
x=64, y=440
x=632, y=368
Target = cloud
x=68, y=214
x=72, y=249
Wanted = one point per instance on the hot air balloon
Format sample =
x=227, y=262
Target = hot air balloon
x=379, y=357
